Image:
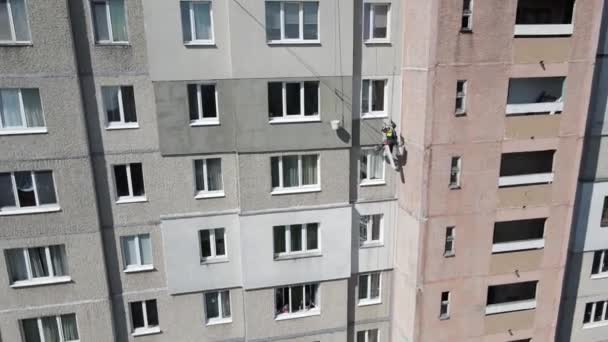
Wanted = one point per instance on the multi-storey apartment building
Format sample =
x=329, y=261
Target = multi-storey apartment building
x=583, y=314
x=208, y=169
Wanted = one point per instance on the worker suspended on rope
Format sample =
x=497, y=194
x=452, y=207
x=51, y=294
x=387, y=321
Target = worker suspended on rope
x=391, y=144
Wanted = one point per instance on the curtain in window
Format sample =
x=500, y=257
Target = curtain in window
x=226, y=304
x=69, y=328
x=25, y=189
x=129, y=250
x=212, y=305
x=310, y=300
x=185, y=11
x=273, y=20
x=45, y=187
x=101, y=21
x=5, y=29
x=292, y=20
x=32, y=107
x=202, y=20
x=16, y=265
x=376, y=165
x=310, y=20
x=380, y=21
x=118, y=19
x=30, y=326
x=22, y=31
x=214, y=174
x=145, y=247
x=38, y=262
x=290, y=171
x=309, y=170
x=7, y=197
x=57, y=258
x=50, y=329
x=110, y=102
x=10, y=112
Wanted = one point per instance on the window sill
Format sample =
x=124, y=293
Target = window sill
x=592, y=325
x=137, y=269
x=198, y=123
x=454, y=187
x=14, y=43
x=460, y=114
x=366, y=116
x=373, y=182
x=294, y=42
x=368, y=302
x=301, y=119
x=302, y=255
x=31, y=210
x=285, y=316
x=531, y=108
x=371, y=244
x=510, y=307
x=41, y=282
x=145, y=331
x=599, y=276
x=372, y=42
x=466, y=30
x=289, y=191
x=215, y=194
x=449, y=254
x=201, y=43
x=214, y=260
x=544, y=30
x=218, y=321
x=111, y=127
x=108, y=43
x=444, y=317
x=139, y=199
x=23, y=131
x=528, y=179
x=518, y=246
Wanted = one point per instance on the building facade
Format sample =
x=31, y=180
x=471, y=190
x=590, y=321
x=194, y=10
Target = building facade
x=583, y=312
x=209, y=170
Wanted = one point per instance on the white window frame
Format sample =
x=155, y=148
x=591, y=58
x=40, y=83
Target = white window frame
x=213, y=246
x=457, y=170
x=59, y=327
x=450, y=238
x=372, y=39
x=367, y=181
x=51, y=279
x=531, y=178
x=300, y=188
x=369, y=113
x=301, y=39
x=603, y=256
x=38, y=208
x=461, y=95
x=111, y=40
x=220, y=319
x=368, y=333
x=205, y=193
x=147, y=329
x=446, y=304
x=11, y=24
x=193, y=36
x=467, y=13
x=297, y=117
x=121, y=110
x=23, y=129
x=302, y=313
x=594, y=307
x=129, y=198
x=202, y=121
x=369, y=242
x=368, y=300
x=304, y=236
x=139, y=266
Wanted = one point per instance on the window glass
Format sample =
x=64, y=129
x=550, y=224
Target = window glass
x=273, y=20
x=145, y=249
x=208, y=98
x=69, y=328
x=205, y=243
x=120, y=176
x=10, y=112
x=128, y=103
x=377, y=96
x=311, y=98
x=310, y=20
x=297, y=298
x=292, y=20
x=376, y=221
x=50, y=329
x=226, y=304
x=7, y=197
x=30, y=326
x=5, y=28
x=118, y=20
x=312, y=237
x=309, y=170
x=101, y=21
x=274, y=170
x=38, y=262
x=220, y=243
x=111, y=104
x=380, y=21
x=137, y=315
x=130, y=250
x=292, y=98
x=279, y=239
x=275, y=99
x=16, y=264
x=152, y=312
x=212, y=305
x=365, y=96
x=363, y=286
x=32, y=107
x=296, y=237
x=45, y=187
x=25, y=189
x=137, y=179
x=290, y=171
x=193, y=101
x=214, y=174
x=202, y=19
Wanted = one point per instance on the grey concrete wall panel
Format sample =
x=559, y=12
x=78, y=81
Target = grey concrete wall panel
x=260, y=312
x=331, y=57
x=378, y=257
x=255, y=182
x=51, y=51
x=170, y=59
x=260, y=269
x=185, y=271
x=176, y=134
